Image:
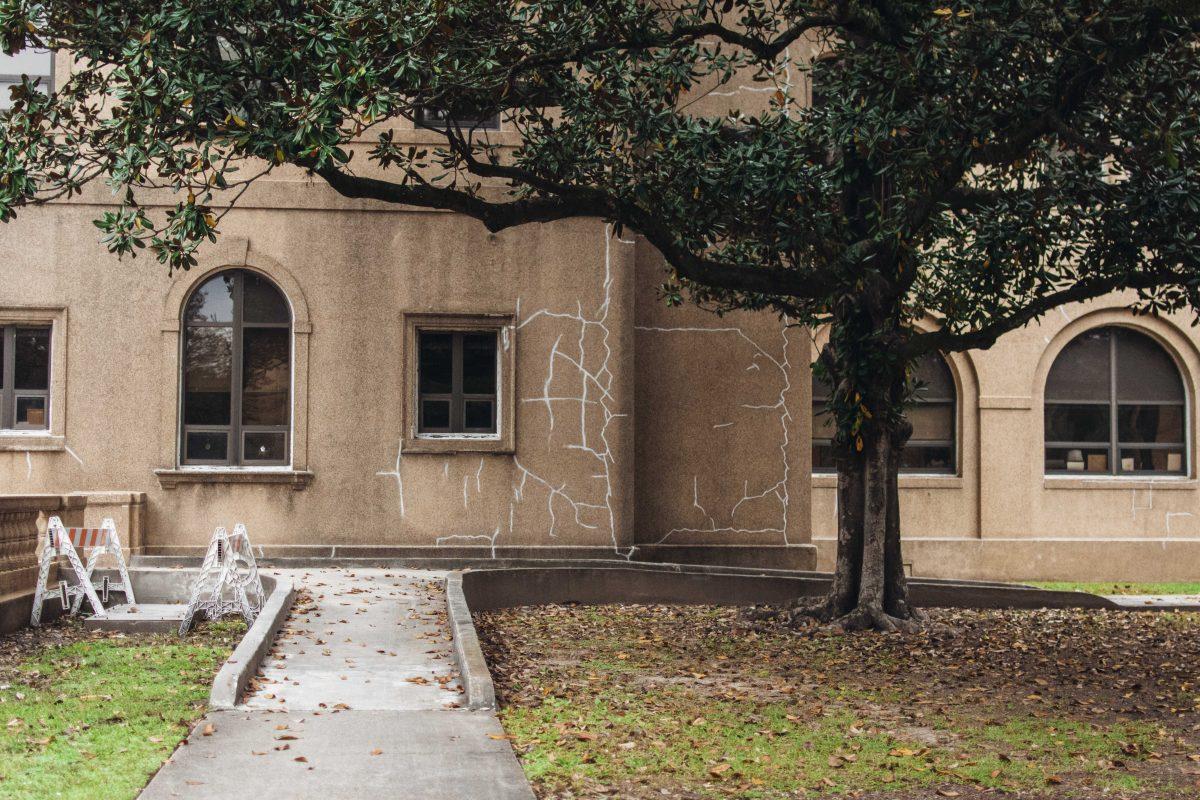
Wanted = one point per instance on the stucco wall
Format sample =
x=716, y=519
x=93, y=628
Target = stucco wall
x=351, y=271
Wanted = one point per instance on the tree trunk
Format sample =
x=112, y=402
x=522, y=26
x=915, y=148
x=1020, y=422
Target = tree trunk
x=869, y=589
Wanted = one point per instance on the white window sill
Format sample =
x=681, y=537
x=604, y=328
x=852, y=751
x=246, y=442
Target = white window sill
x=277, y=476
x=1120, y=482
x=448, y=443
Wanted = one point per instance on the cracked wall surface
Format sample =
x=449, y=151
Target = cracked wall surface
x=722, y=440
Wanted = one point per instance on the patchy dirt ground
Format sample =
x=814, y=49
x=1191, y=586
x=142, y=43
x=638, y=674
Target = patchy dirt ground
x=680, y=702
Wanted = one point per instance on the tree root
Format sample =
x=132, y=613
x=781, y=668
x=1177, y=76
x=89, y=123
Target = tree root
x=824, y=614
x=874, y=618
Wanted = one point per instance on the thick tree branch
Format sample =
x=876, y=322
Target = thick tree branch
x=946, y=341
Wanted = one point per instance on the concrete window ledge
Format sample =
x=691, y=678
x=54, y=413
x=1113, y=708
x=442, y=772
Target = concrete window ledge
x=911, y=480
x=1120, y=483
x=31, y=442
x=298, y=479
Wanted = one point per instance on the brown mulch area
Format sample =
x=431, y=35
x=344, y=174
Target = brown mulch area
x=1077, y=674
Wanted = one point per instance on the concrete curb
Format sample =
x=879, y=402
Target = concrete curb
x=476, y=678
x=231, y=681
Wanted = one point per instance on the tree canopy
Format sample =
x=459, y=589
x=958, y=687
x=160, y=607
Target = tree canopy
x=975, y=163
x=1030, y=153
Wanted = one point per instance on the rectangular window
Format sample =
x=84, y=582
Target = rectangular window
x=440, y=118
x=25, y=377
x=37, y=64
x=456, y=379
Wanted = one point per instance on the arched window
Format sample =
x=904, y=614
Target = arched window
x=1115, y=405
x=236, y=372
x=934, y=415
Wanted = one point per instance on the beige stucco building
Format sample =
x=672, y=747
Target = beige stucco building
x=354, y=379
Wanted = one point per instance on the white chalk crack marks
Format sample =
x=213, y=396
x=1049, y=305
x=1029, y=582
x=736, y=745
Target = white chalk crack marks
x=778, y=489
x=592, y=508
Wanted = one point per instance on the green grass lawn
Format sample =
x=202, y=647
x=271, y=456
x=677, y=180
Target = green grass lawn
x=85, y=716
x=1121, y=587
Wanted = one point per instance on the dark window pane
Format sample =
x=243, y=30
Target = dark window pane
x=435, y=415
x=265, y=446
x=931, y=421
x=440, y=118
x=207, y=377
x=31, y=412
x=1162, y=424
x=1145, y=371
x=32, y=353
x=479, y=363
x=477, y=415
x=1075, y=459
x=821, y=390
x=823, y=457
x=1081, y=371
x=1077, y=423
x=212, y=301
x=934, y=375
x=1152, y=460
x=939, y=458
x=206, y=446
x=435, y=367
x=265, y=376
x=261, y=301
x=1, y=360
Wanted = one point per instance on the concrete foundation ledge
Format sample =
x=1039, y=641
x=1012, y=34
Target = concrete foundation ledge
x=476, y=678
x=789, y=557
x=239, y=668
x=1084, y=558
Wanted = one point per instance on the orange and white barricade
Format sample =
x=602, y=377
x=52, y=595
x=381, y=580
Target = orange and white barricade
x=63, y=542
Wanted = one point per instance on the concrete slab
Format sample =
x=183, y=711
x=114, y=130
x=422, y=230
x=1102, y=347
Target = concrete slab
x=362, y=676
x=1157, y=602
x=371, y=640
x=139, y=618
x=417, y=755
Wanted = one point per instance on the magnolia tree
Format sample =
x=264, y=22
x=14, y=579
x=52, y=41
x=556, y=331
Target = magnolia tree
x=968, y=165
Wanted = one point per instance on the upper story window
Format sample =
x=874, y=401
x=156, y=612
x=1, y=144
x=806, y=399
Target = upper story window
x=34, y=63
x=440, y=118
x=236, y=373
x=24, y=377
x=1115, y=405
x=457, y=377
x=933, y=447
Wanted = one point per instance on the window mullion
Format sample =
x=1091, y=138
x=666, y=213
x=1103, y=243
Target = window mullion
x=456, y=384
x=1113, y=448
x=8, y=368
x=235, y=376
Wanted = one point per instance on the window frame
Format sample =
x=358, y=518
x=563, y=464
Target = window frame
x=8, y=79
x=9, y=394
x=422, y=120
x=1113, y=446
x=236, y=430
x=502, y=439
x=457, y=397
x=954, y=403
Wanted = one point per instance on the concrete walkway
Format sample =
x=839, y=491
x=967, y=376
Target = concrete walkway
x=359, y=699
x=1159, y=602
